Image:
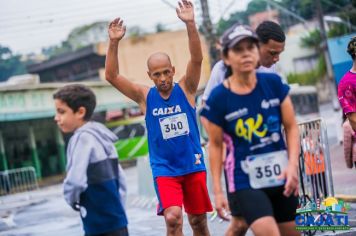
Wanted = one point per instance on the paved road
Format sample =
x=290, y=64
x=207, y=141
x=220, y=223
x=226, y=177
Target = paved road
x=44, y=212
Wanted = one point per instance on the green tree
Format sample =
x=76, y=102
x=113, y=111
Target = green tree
x=256, y=6
x=307, y=8
x=85, y=35
x=312, y=40
x=348, y=14
x=135, y=32
x=10, y=64
x=79, y=37
x=304, y=8
x=160, y=28
x=241, y=16
x=223, y=25
x=337, y=30
x=310, y=77
x=55, y=50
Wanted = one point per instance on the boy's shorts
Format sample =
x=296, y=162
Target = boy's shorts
x=189, y=190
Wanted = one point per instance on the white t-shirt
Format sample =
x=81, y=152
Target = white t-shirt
x=217, y=76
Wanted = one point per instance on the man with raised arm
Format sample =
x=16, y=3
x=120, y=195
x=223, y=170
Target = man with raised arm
x=176, y=156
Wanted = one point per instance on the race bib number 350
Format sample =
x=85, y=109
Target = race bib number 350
x=264, y=169
x=174, y=126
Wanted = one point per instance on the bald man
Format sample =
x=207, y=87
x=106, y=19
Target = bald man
x=176, y=156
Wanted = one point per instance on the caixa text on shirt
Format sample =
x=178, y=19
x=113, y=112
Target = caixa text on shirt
x=166, y=110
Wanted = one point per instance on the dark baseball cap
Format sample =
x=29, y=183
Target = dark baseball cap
x=235, y=34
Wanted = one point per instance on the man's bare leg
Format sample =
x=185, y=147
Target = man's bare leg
x=174, y=221
x=199, y=224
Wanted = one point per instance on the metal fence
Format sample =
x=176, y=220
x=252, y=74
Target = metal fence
x=314, y=162
x=18, y=180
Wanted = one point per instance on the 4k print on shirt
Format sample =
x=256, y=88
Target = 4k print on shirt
x=251, y=126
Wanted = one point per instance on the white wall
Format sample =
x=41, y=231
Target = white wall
x=293, y=50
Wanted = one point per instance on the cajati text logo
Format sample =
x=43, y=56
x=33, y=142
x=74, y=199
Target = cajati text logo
x=327, y=214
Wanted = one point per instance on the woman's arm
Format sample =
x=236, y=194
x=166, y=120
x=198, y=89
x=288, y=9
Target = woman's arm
x=348, y=143
x=293, y=146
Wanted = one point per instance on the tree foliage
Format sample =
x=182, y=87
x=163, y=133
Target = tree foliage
x=310, y=77
x=304, y=8
x=160, y=28
x=135, y=31
x=10, y=64
x=55, y=50
x=88, y=34
x=79, y=37
x=241, y=16
x=348, y=14
x=312, y=40
x=338, y=30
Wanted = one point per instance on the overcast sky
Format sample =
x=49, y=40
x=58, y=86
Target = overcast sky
x=28, y=25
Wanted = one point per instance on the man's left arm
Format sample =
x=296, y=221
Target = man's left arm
x=190, y=81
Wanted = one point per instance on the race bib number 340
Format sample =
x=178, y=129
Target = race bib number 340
x=264, y=169
x=174, y=126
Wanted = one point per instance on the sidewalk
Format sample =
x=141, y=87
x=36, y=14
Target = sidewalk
x=343, y=177
x=344, y=184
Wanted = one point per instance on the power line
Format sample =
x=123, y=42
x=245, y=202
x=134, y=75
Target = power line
x=289, y=12
x=42, y=7
x=231, y=3
x=62, y=23
x=68, y=8
x=169, y=4
x=333, y=4
x=176, y=25
x=77, y=21
x=81, y=15
x=342, y=21
x=91, y=11
x=44, y=24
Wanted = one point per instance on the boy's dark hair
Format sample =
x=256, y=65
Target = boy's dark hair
x=351, y=48
x=76, y=96
x=270, y=30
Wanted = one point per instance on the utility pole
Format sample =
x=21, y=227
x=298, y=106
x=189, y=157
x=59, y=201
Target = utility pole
x=324, y=46
x=208, y=32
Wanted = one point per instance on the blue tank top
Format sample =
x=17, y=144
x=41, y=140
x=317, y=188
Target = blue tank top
x=173, y=135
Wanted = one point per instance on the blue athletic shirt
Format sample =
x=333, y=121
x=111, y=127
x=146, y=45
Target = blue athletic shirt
x=173, y=135
x=252, y=120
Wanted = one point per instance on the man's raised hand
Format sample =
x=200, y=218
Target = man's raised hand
x=116, y=29
x=185, y=11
